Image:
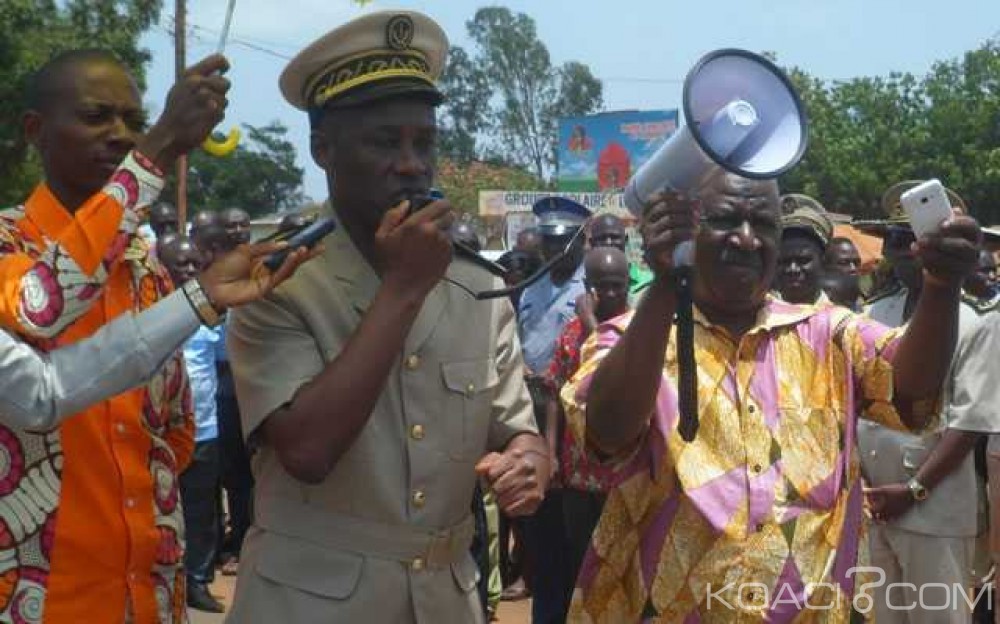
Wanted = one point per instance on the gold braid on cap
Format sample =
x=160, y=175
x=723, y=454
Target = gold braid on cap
x=364, y=68
x=396, y=60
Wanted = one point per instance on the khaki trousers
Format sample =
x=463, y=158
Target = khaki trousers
x=993, y=482
x=927, y=578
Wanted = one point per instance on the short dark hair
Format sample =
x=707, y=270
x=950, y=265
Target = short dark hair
x=43, y=83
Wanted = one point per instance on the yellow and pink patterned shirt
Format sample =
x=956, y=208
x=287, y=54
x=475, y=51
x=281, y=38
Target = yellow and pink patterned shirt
x=761, y=517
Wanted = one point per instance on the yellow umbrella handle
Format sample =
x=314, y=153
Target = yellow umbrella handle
x=222, y=148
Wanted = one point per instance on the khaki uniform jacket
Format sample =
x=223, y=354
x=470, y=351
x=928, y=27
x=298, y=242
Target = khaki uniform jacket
x=889, y=456
x=385, y=537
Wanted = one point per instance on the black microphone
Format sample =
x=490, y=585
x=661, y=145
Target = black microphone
x=420, y=201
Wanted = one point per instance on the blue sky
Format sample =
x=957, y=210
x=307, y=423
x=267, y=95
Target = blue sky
x=641, y=49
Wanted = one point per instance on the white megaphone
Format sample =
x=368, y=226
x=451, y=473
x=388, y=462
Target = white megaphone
x=742, y=114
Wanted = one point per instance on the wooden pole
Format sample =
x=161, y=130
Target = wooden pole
x=180, y=63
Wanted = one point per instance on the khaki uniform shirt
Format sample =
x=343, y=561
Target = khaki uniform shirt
x=895, y=457
x=385, y=537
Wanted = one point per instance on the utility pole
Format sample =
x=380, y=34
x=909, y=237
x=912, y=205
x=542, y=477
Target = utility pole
x=180, y=64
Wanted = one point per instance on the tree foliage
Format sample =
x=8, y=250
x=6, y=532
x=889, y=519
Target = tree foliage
x=868, y=133
x=461, y=181
x=466, y=108
x=260, y=177
x=505, y=99
x=31, y=32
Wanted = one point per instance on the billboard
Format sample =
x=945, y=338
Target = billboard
x=601, y=152
x=499, y=203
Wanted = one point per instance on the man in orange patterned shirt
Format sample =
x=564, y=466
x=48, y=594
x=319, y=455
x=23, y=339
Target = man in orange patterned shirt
x=90, y=525
x=760, y=517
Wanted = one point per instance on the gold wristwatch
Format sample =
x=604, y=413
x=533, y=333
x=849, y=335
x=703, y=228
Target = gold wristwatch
x=202, y=305
x=917, y=490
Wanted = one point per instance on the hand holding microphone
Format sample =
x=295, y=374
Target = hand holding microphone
x=239, y=276
x=414, y=249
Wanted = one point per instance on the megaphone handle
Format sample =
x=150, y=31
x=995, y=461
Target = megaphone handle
x=687, y=374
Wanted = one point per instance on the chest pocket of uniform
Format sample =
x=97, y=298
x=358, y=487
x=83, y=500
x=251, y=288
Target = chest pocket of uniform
x=470, y=386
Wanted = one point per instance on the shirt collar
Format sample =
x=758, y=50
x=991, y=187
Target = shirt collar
x=46, y=212
x=774, y=314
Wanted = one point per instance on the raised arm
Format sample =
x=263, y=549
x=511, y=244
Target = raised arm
x=43, y=294
x=41, y=297
x=623, y=393
x=921, y=363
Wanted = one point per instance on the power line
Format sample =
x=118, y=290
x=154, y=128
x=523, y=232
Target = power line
x=169, y=20
x=246, y=44
x=267, y=47
x=204, y=35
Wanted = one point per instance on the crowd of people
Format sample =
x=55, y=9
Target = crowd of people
x=366, y=434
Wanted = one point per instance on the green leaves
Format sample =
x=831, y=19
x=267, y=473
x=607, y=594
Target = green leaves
x=31, y=32
x=260, y=177
x=868, y=133
x=504, y=99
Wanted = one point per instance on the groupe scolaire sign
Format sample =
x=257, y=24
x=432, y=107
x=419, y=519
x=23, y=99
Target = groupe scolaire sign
x=500, y=203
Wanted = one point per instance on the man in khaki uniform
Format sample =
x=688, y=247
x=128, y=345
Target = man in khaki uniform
x=924, y=491
x=373, y=385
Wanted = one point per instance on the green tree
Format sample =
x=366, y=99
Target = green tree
x=870, y=132
x=31, y=32
x=865, y=134
x=512, y=74
x=260, y=176
x=461, y=181
x=963, y=128
x=466, y=107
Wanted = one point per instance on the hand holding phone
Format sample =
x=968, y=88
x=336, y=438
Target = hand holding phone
x=927, y=205
x=306, y=237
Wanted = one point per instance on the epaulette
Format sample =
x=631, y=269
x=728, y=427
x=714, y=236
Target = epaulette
x=980, y=305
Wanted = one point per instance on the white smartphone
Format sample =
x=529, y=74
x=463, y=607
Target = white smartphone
x=927, y=206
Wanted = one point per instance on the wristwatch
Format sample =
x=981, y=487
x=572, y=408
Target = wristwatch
x=917, y=490
x=202, y=305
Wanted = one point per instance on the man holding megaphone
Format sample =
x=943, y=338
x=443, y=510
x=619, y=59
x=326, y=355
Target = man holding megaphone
x=755, y=512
